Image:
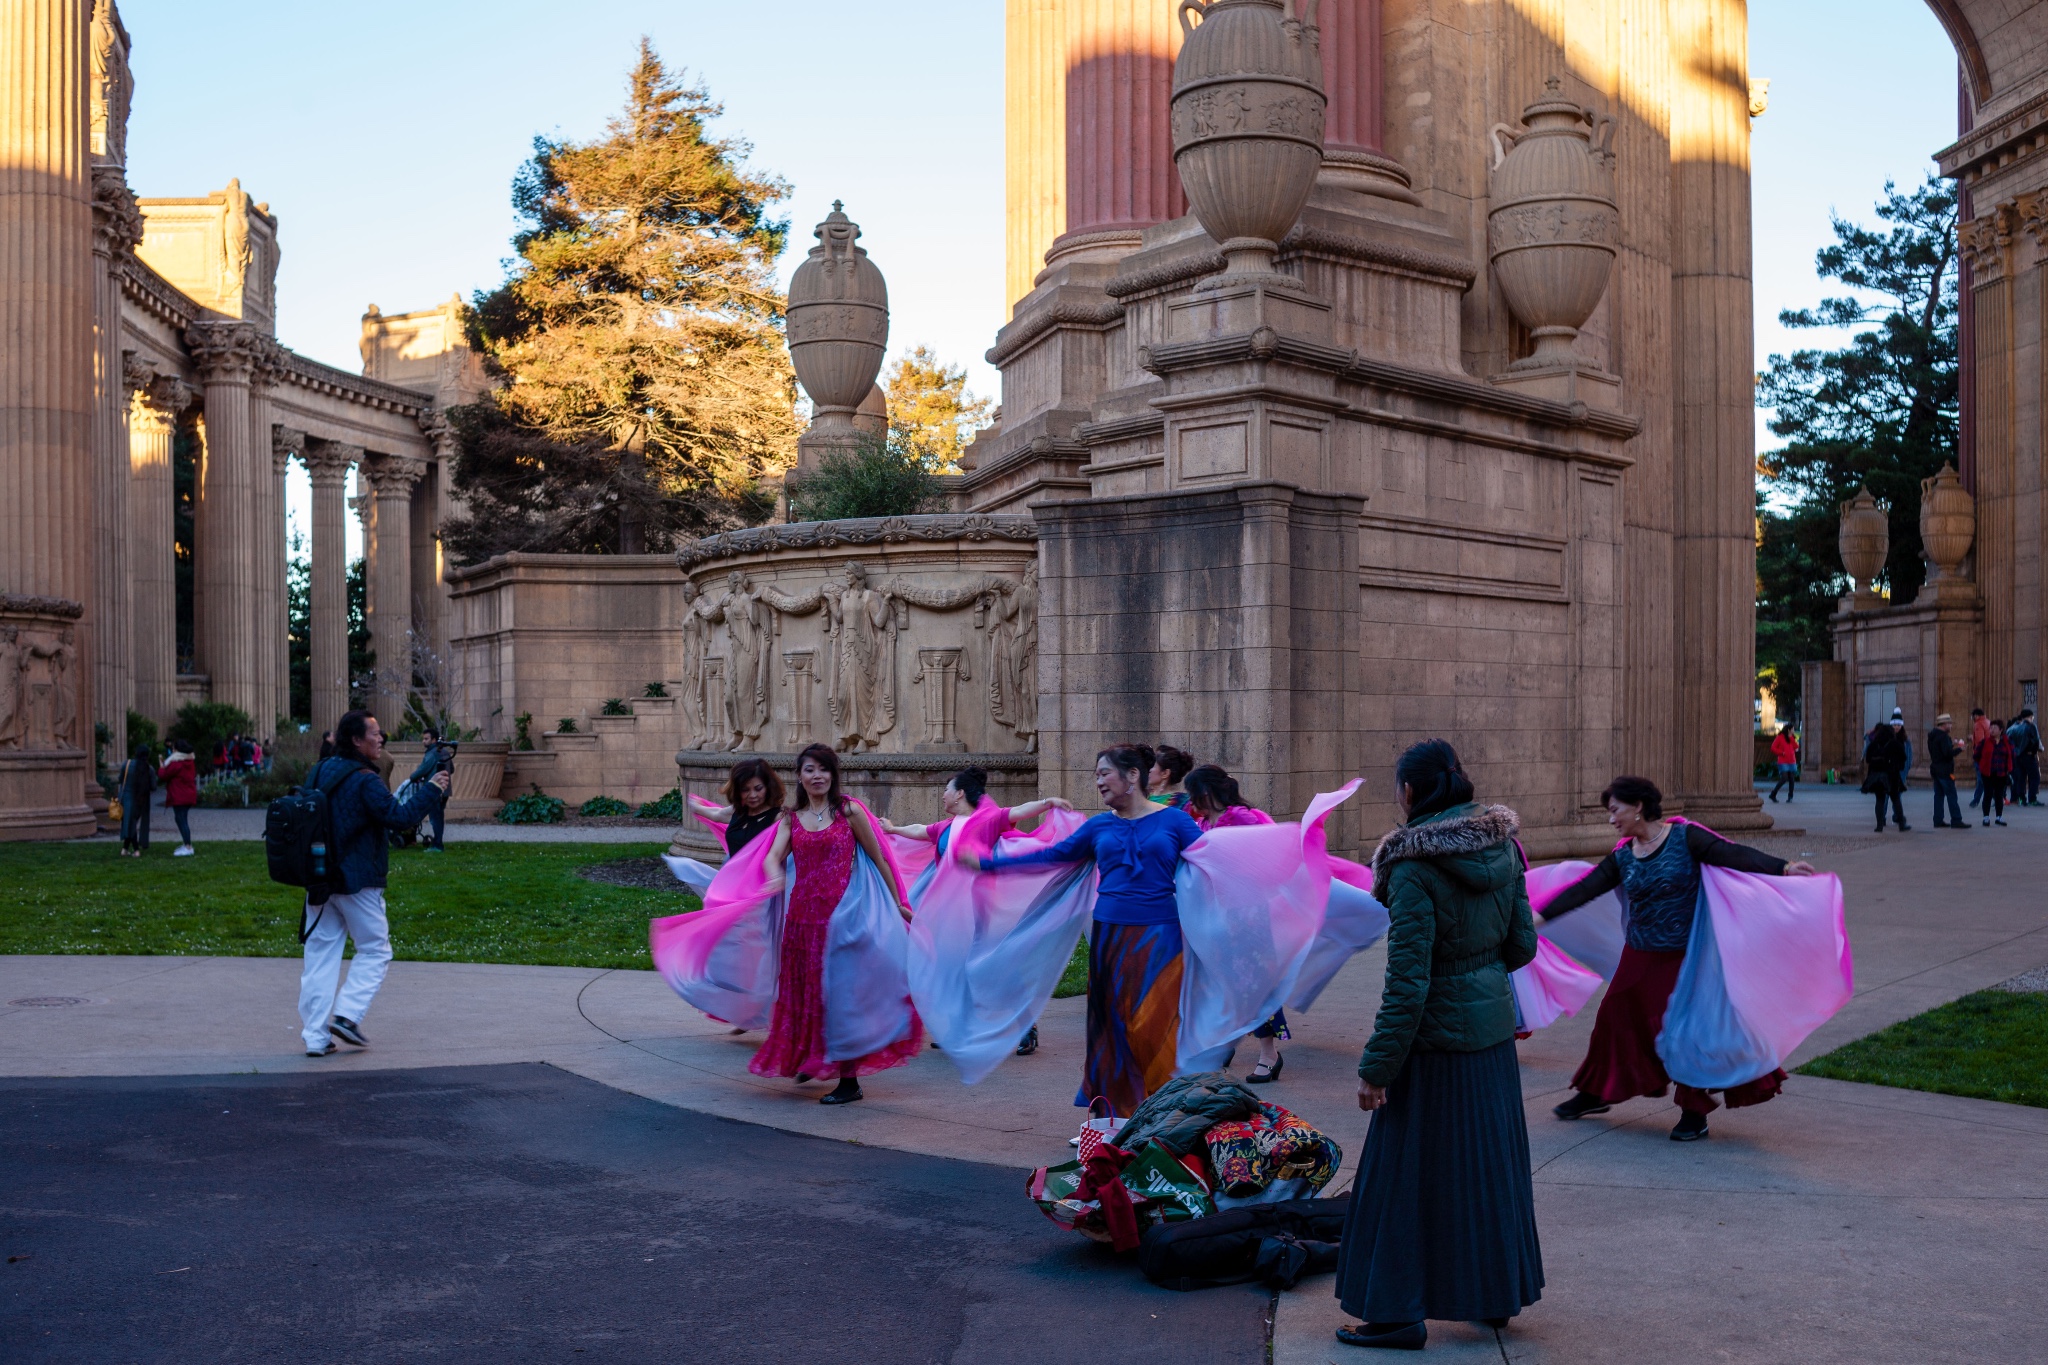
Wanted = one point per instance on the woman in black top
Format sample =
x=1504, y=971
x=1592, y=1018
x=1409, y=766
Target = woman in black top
x=1657, y=869
x=753, y=803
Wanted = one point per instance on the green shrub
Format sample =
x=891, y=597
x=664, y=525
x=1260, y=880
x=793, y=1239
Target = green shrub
x=604, y=805
x=534, y=808
x=669, y=806
x=522, y=732
x=142, y=730
x=222, y=790
x=655, y=689
x=566, y=725
x=878, y=478
x=204, y=724
x=616, y=706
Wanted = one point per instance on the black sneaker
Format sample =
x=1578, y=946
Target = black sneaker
x=327, y=1051
x=348, y=1031
x=1030, y=1043
x=1580, y=1105
x=1691, y=1127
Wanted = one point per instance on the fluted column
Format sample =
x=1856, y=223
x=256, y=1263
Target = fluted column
x=117, y=227
x=1715, y=412
x=1034, y=137
x=1118, y=57
x=266, y=540
x=1352, y=134
x=224, y=520
x=327, y=462
x=285, y=442
x=152, y=551
x=392, y=479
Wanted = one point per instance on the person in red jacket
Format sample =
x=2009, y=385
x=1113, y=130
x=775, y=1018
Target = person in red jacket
x=180, y=776
x=1994, y=767
x=1785, y=753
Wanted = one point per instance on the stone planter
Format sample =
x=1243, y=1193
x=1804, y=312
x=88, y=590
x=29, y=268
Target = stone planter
x=479, y=775
x=1554, y=226
x=1247, y=115
x=838, y=327
x=1948, y=523
x=1865, y=539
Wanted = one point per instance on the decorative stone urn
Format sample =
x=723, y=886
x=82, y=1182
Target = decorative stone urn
x=1247, y=115
x=1865, y=539
x=1554, y=227
x=1948, y=523
x=838, y=329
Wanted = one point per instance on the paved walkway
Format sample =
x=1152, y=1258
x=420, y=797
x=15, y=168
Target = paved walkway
x=1839, y=1222
x=235, y=824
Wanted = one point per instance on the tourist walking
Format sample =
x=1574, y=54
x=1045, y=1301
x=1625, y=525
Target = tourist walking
x=1216, y=803
x=363, y=812
x=1442, y=1222
x=138, y=780
x=1884, y=768
x=2024, y=735
x=1134, y=941
x=180, y=778
x=1785, y=756
x=828, y=836
x=1980, y=730
x=1170, y=767
x=1994, y=769
x=1942, y=751
x=1658, y=866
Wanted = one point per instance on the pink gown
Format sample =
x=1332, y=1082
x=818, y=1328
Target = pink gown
x=796, y=1030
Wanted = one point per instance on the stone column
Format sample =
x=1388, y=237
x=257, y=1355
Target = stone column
x=1034, y=138
x=266, y=542
x=1352, y=158
x=46, y=386
x=152, y=552
x=392, y=479
x=327, y=462
x=284, y=443
x=117, y=227
x=224, y=521
x=1714, y=413
x=1118, y=59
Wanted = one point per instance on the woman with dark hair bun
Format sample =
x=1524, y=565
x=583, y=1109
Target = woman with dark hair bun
x=1442, y=1221
x=1661, y=878
x=1169, y=767
x=1134, y=944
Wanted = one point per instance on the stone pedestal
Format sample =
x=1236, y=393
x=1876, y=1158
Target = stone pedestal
x=1921, y=657
x=45, y=729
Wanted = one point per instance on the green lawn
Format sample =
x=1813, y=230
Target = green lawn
x=475, y=903
x=1990, y=1046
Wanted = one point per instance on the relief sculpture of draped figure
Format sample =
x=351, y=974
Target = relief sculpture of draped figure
x=1013, y=656
x=861, y=685
x=747, y=630
x=699, y=611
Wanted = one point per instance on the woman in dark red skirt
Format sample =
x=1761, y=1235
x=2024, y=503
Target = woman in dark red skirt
x=1658, y=870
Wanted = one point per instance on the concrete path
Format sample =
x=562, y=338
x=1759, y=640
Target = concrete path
x=234, y=824
x=1840, y=1222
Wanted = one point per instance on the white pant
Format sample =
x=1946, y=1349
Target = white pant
x=360, y=916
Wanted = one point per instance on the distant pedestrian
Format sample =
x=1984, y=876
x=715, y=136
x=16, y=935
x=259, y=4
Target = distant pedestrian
x=1899, y=724
x=326, y=745
x=2025, y=737
x=363, y=810
x=180, y=776
x=1994, y=767
x=1980, y=730
x=1941, y=767
x=1785, y=753
x=1884, y=765
x=436, y=757
x=138, y=780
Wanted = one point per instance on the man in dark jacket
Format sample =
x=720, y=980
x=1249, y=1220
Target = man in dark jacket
x=363, y=810
x=1884, y=766
x=2024, y=735
x=1942, y=750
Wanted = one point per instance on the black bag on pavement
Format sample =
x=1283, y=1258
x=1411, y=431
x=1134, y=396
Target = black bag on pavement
x=1274, y=1243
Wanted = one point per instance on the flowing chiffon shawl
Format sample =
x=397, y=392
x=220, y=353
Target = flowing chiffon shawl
x=723, y=958
x=1767, y=964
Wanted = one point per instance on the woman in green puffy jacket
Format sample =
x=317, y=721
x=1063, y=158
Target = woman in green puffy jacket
x=1443, y=1214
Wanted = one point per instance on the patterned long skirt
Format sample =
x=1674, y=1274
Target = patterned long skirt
x=1134, y=975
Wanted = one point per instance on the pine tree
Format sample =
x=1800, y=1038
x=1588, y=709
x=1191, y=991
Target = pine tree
x=646, y=386
x=932, y=415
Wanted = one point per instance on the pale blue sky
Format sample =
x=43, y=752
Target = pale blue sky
x=385, y=141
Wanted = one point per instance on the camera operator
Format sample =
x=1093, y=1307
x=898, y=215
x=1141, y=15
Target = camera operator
x=363, y=810
x=439, y=758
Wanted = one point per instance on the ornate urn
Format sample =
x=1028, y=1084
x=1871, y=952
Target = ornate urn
x=1865, y=539
x=1948, y=523
x=1554, y=226
x=838, y=325
x=1248, y=124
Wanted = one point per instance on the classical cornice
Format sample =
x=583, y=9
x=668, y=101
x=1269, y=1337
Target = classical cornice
x=825, y=535
x=314, y=377
x=2017, y=135
x=1347, y=247
x=155, y=295
x=1165, y=275
x=12, y=605
x=1088, y=315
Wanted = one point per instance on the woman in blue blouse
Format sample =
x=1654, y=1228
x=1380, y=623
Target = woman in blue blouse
x=1134, y=946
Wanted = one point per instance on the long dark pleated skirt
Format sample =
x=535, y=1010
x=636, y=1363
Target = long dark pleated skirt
x=1443, y=1215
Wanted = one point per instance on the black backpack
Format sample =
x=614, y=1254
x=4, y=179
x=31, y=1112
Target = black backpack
x=1274, y=1243
x=298, y=836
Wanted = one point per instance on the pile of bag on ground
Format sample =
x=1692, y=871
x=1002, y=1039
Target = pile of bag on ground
x=1208, y=1182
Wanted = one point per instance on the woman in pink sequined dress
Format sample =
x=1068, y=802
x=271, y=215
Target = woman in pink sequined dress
x=822, y=833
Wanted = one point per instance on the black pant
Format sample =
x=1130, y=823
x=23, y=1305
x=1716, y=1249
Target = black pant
x=2026, y=780
x=1787, y=779
x=1898, y=811
x=439, y=816
x=135, y=819
x=1945, y=789
x=1994, y=798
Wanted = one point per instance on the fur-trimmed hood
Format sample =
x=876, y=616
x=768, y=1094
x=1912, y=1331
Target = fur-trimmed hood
x=1466, y=842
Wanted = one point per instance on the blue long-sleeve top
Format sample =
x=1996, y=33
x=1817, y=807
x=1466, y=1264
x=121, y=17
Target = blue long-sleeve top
x=1134, y=862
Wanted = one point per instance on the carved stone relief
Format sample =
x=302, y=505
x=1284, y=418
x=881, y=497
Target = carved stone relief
x=698, y=612
x=1013, y=657
x=747, y=629
x=800, y=680
x=940, y=672
x=38, y=688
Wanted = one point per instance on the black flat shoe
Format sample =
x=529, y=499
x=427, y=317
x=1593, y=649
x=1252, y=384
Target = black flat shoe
x=847, y=1093
x=1691, y=1127
x=1580, y=1105
x=1397, y=1336
x=803, y=1078
x=1497, y=1324
x=1030, y=1043
x=1271, y=1073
